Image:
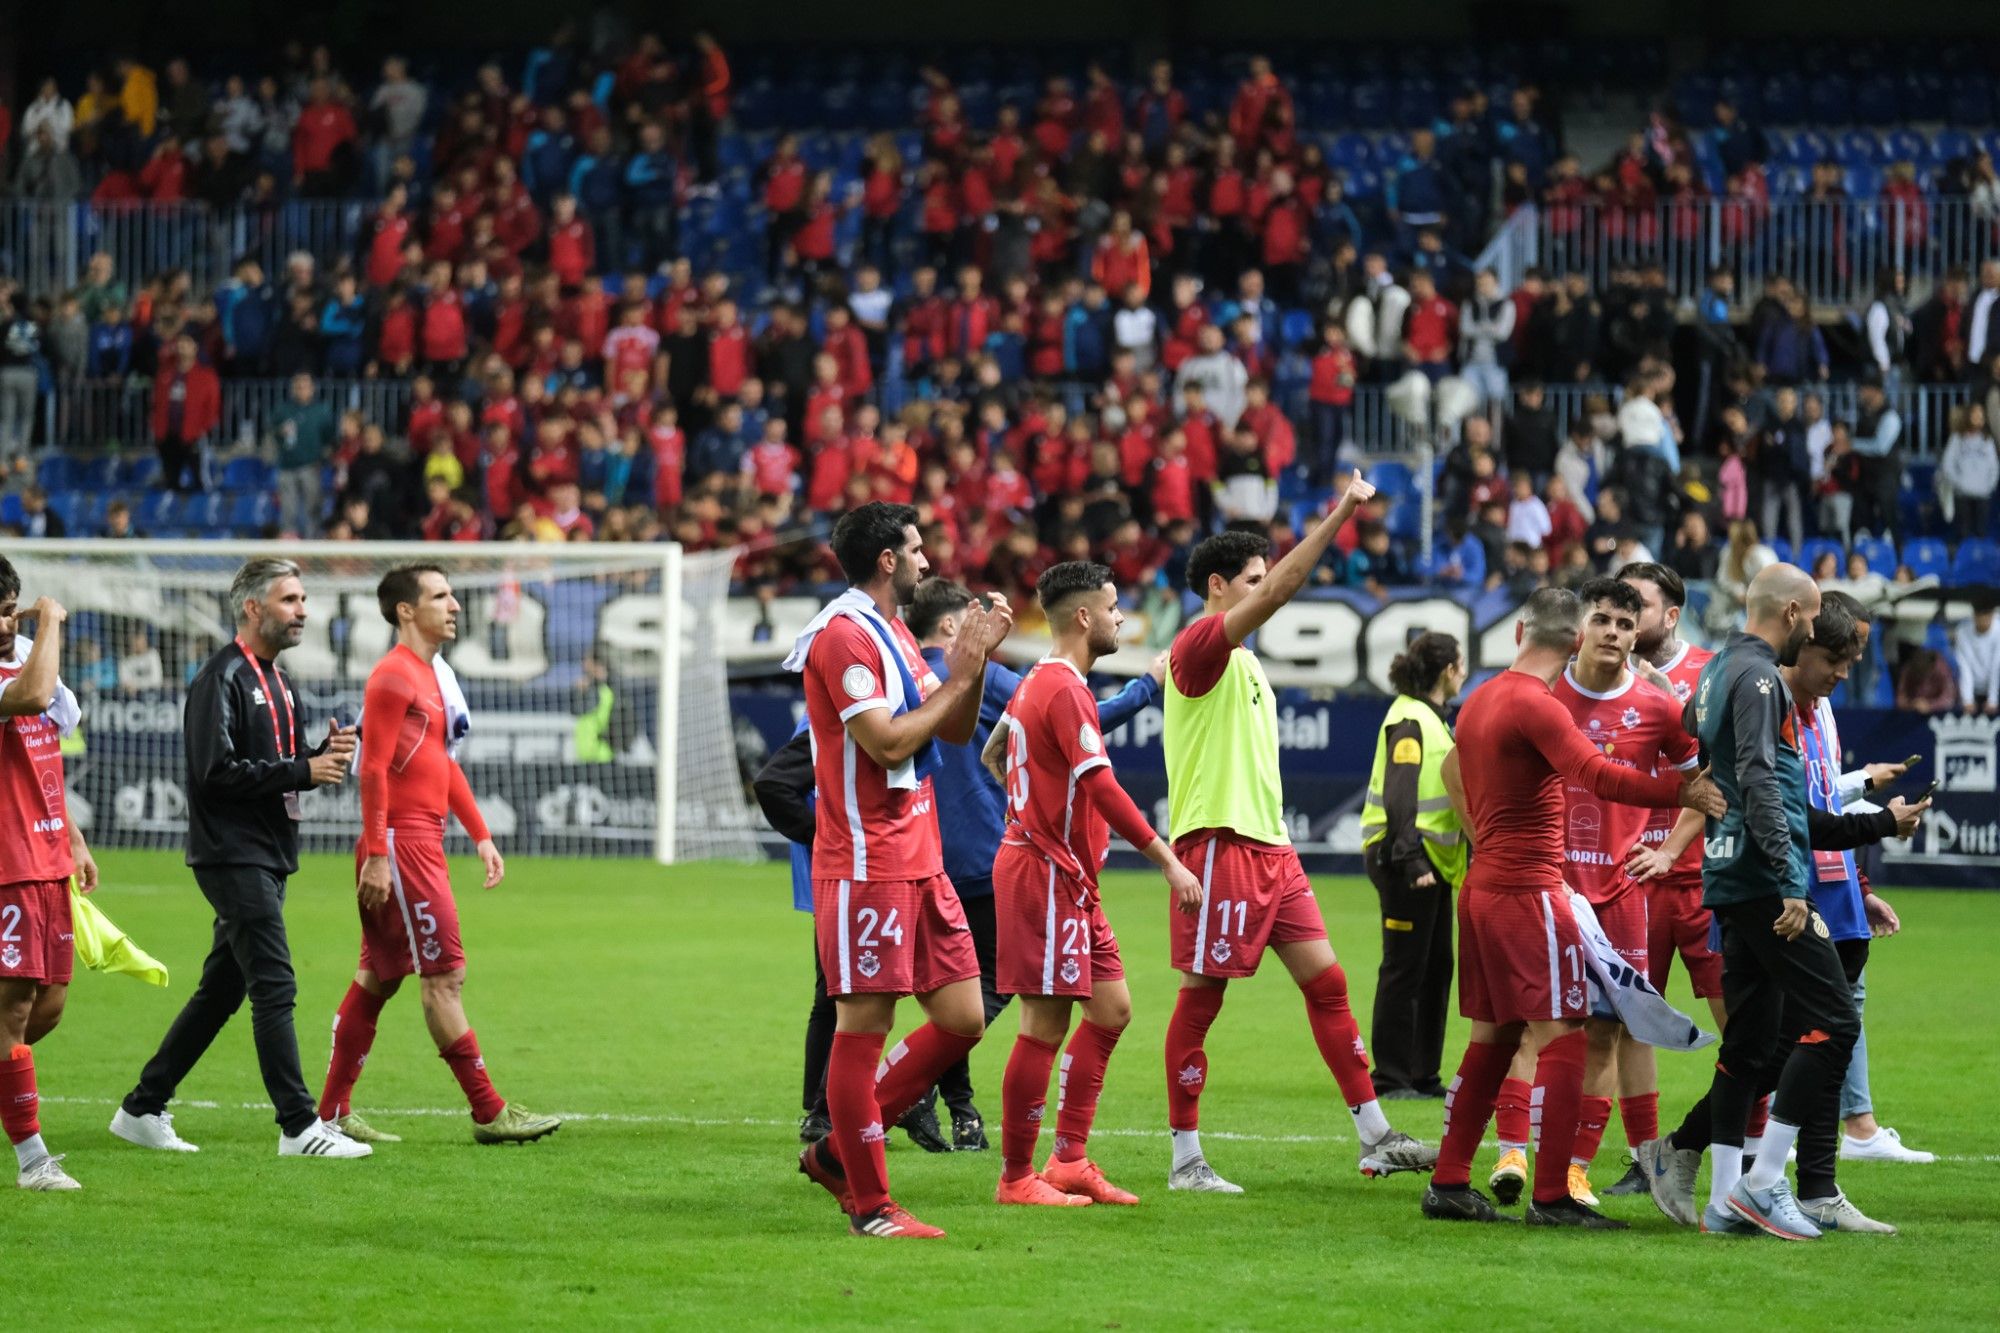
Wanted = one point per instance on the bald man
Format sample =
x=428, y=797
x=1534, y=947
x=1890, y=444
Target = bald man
x=1777, y=959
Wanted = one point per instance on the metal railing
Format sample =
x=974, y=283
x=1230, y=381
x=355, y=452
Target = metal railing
x=47, y=246
x=84, y=416
x=1832, y=250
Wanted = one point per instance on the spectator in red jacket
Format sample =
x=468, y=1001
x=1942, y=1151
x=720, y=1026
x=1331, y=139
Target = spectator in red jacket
x=323, y=153
x=1331, y=396
x=187, y=406
x=572, y=246
x=1251, y=110
x=388, y=233
x=1430, y=328
x=1121, y=261
x=163, y=180
x=1283, y=232
x=442, y=334
x=848, y=346
x=972, y=318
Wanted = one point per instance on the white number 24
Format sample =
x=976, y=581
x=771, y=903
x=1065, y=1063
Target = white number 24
x=868, y=918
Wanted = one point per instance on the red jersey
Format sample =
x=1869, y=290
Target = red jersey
x=627, y=348
x=1052, y=742
x=866, y=828
x=409, y=780
x=728, y=361
x=1683, y=672
x=1516, y=744
x=385, y=249
x=33, y=806
x=1634, y=726
x=772, y=467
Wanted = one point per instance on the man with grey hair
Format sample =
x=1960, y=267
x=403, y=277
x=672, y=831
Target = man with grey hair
x=246, y=766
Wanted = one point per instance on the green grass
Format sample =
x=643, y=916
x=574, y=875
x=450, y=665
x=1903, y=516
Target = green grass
x=664, y=1010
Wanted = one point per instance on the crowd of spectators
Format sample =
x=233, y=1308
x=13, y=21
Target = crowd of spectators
x=1100, y=325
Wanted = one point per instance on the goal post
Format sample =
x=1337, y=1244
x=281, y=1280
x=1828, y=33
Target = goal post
x=594, y=674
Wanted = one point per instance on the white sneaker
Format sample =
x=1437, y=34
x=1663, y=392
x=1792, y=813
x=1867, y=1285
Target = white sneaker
x=46, y=1174
x=1840, y=1214
x=1199, y=1176
x=320, y=1139
x=150, y=1131
x=1886, y=1145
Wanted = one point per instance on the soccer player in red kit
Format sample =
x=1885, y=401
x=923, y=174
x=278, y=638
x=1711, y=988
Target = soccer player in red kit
x=1520, y=954
x=1053, y=944
x=1635, y=725
x=409, y=920
x=1226, y=815
x=42, y=850
x=886, y=919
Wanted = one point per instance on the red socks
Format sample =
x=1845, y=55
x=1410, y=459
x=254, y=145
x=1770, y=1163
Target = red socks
x=857, y=1119
x=912, y=1067
x=1554, y=1109
x=1082, y=1084
x=1642, y=1118
x=1187, y=1064
x=353, y=1036
x=1593, y=1115
x=1024, y=1095
x=1760, y=1117
x=1338, y=1036
x=20, y=1106
x=1510, y=1114
x=470, y=1071
x=1468, y=1104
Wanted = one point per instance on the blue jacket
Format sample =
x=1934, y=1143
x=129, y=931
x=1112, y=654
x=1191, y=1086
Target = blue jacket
x=249, y=317
x=1418, y=188
x=110, y=349
x=545, y=163
x=1086, y=341
x=964, y=787
x=651, y=180
x=343, y=327
x=596, y=182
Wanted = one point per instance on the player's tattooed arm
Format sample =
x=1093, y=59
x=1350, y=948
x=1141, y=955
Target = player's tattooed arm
x=994, y=756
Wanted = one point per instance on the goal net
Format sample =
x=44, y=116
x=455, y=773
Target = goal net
x=587, y=738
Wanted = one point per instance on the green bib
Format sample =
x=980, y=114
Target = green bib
x=1437, y=823
x=1222, y=756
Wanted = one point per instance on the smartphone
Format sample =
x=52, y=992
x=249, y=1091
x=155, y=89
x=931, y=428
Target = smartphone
x=1913, y=761
x=1929, y=792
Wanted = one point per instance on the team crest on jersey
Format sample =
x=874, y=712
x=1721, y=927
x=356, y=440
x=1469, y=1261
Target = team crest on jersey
x=1089, y=740
x=256, y=696
x=1219, y=951
x=858, y=681
x=1629, y=718
x=1681, y=690
x=10, y=957
x=867, y=963
x=1573, y=997
x=1070, y=971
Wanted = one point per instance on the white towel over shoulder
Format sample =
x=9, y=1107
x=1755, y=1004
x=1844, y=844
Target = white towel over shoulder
x=858, y=606
x=1616, y=991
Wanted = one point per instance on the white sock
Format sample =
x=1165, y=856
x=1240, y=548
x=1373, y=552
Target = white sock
x=1771, y=1154
x=1512, y=1147
x=30, y=1150
x=1725, y=1168
x=1187, y=1146
x=1753, y=1145
x=1369, y=1122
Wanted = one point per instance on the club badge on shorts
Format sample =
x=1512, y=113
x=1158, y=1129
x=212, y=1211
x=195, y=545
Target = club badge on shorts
x=10, y=957
x=867, y=964
x=1219, y=951
x=1070, y=971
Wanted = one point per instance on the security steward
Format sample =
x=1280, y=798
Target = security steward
x=1415, y=852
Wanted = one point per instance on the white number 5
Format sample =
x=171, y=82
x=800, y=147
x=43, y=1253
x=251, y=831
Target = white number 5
x=423, y=914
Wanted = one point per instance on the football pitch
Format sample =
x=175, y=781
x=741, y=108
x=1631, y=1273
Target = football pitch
x=662, y=1010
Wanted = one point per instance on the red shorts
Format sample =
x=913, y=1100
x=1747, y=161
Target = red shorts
x=891, y=936
x=1677, y=922
x=1252, y=895
x=1623, y=919
x=1050, y=933
x=37, y=941
x=1520, y=957
x=416, y=931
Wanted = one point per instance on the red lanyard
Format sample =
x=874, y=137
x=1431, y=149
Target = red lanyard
x=271, y=697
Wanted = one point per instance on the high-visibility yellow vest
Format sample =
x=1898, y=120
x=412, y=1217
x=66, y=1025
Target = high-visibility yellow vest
x=1222, y=756
x=1437, y=822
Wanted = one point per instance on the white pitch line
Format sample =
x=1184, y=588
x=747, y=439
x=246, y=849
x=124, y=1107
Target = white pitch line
x=753, y=1122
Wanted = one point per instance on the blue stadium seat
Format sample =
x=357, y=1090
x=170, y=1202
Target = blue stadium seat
x=57, y=472
x=1829, y=99
x=1784, y=99
x=195, y=513
x=11, y=511
x=1924, y=97
x=1864, y=180
x=1880, y=553
x=1352, y=152
x=97, y=473
x=1951, y=144
x=1969, y=100
x=1906, y=145
x=1815, y=547
x=139, y=472
x=1878, y=101
x=1811, y=146
x=1927, y=557
x=1393, y=479
x=247, y=474
x=153, y=511
x=1861, y=147
x=248, y=514
x=1977, y=562
x=1781, y=547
